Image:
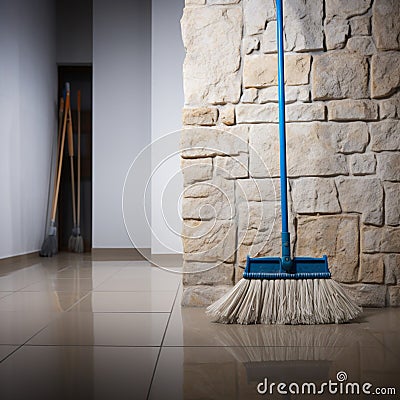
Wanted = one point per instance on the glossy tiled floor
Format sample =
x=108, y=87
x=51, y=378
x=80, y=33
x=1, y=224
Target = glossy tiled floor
x=74, y=328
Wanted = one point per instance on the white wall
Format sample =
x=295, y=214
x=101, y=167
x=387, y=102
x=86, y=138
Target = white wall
x=74, y=31
x=121, y=116
x=28, y=116
x=166, y=117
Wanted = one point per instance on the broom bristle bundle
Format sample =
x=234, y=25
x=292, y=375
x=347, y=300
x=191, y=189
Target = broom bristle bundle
x=49, y=247
x=79, y=248
x=284, y=301
x=71, y=243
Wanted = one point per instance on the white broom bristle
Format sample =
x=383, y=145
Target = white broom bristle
x=284, y=301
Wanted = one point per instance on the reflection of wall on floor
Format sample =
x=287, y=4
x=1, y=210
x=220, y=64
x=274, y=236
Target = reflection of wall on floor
x=342, y=69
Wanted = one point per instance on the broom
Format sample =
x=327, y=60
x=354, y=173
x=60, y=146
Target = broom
x=50, y=245
x=284, y=290
x=79, y=248
x=72, y=238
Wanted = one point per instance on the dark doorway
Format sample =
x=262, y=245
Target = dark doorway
x=80, y=78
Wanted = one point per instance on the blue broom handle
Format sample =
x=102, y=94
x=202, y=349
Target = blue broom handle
x=282, y=131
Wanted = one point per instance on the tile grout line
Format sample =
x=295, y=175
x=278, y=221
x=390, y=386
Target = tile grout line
x=161, y=344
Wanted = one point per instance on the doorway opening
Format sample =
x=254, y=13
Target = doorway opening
x=79, y=78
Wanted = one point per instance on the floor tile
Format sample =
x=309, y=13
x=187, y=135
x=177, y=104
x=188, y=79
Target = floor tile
x=4, y=294
x=105, y=329
x=17, y=281
x=18, y=327
x=75, y=373
x=40, y=301
x=62, y=285
x=376, y=319
x=92, y=271
x=6, y=350
x=234, y=372
x=191, y=327
x=141, y=279
x=119, y=302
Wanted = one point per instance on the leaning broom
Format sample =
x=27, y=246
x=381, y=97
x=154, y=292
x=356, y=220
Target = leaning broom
x=284, y=290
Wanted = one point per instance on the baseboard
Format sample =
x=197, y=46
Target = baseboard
x=120, y=254
x=19, y=261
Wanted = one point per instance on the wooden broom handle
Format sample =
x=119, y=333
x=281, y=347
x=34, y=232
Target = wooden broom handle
x=60, y=123
x=71, y=158
x=79, y=158
x=70, y=134
x=60, y=157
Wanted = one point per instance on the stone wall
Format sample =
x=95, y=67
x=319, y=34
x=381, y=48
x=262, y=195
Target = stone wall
x=343, y=106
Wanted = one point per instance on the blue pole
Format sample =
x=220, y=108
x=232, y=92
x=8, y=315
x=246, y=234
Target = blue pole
x=286, y=258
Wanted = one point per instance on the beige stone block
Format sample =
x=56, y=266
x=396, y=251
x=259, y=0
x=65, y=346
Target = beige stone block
x=385, y=135
x=389, y=166
x=258, y=244
x=268, y=38
x=367, y=295
x=209, y=241
x=232, y=167
x=314, y=195
x=385, y=24
x=257, y=216
x=371, y=268
x=390, y=108
x=303, y=25
x=362, y=45
x=264, y=151
x=336, y=33
x=202, y=295
x=195, y=2
x=362, y=164
x=352, y=110
x=346, y=9
x=256, y=113
x=227, y=115
x=195, y=170
x=348, y=138
x=392, y=269
x=199, y=116
x=335, y=236
x=197, y=273
x=394, y=296
x=249, y=95
x=317, y=158
x=392, y=203
x=257, y=190
x=251, y=43
x=385, y=73
x=338, y=75
x=209, y=200
x=211, y=76
x=209, y=142
x=363, y=196
x=311, y=155
x=222, y=2
x=261, y=70
x=256, y=14
x=361, y=26
x=380, y=240
x=292, y=94
x=299, y=112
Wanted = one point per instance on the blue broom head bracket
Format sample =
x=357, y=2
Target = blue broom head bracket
x=276, y=268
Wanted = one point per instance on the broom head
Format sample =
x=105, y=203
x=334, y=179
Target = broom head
x=271, y=294
x=50, y=246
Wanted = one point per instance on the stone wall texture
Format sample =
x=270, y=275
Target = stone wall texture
x=342, y=66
